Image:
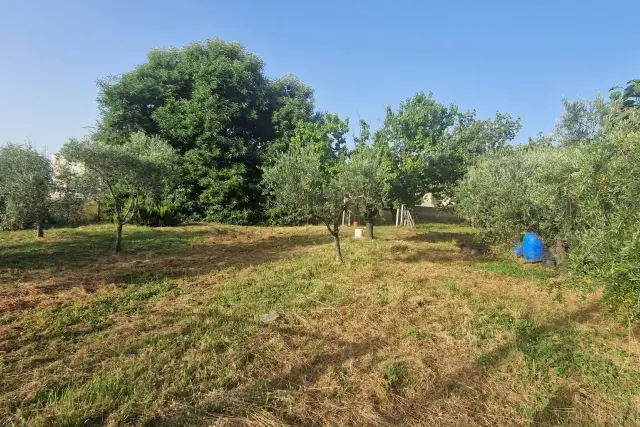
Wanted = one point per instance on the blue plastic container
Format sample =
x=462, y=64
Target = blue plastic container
x=532, y=247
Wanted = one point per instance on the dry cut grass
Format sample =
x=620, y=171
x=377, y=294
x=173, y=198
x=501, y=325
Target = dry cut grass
x=407, y=331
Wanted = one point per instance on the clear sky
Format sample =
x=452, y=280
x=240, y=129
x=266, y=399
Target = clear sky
x=516, y=56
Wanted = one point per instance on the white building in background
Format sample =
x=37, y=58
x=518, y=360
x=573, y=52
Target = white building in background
x=429, y=201
x=57, y=163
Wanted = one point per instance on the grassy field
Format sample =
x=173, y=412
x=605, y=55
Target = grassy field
x=406, y=332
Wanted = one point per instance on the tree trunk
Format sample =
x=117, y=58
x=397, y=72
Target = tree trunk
x=559, y=250
x=98, y=203
x=40, y=230
x=369, y=230
x=336, y=239
x=119, y=237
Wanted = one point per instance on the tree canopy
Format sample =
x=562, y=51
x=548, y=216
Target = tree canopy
x=432, y=145
x=300, y=183
x=213, y=104
x=367, y=179
x=25, y=187
x=127, y=173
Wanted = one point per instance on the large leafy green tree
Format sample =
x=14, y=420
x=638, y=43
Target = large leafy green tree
x=412, y=133
x=25, y=187
x=292, y=104
x=126, y=173
x=466, y=140
x=432, y=145
x=213, y=104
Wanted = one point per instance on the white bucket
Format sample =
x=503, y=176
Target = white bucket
x=358, y=232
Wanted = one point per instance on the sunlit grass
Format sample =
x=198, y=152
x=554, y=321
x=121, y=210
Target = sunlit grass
x=407, y=330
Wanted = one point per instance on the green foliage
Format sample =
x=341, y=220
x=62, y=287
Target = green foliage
x=158, y=214
x=413, y=132
x=305, y=182
x=609, y=236
x=367, y=180
x=628, y=96
x=25, y=187
x=67, y=209
x=584, y=196
x=323, y=143
x=127, y=173
x=582, y=121
x=432, y=146
x=540, y=140
x=396, y=376
x=326, y=136
x=508, y=192
x=466, y=140
x=300, y=183
x=292, y=103
x=213, y=104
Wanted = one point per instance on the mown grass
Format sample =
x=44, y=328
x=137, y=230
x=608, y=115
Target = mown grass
x=407, y=331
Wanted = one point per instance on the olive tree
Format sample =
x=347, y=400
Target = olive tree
x=25, y=187
x=367, y=180
x=126, y=173
x=302, y=181
x=510, y=191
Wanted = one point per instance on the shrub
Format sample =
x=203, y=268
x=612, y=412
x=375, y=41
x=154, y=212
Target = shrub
x=517, y=189
x=607, y=242
x=586, y=196
x=158, y=214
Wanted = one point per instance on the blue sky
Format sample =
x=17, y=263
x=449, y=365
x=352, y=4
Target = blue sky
x=519, y=57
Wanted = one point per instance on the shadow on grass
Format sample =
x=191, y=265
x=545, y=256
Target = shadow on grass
x=411, y=255
x=426, y=219
x=89, y=261
x=246, y=400
x=536, y=342
x=241, y=402
x=440, y=237
x=79, y=245
x=557, y=410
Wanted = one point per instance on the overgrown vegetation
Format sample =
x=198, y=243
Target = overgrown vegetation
x=581, y=196
x=407, y=331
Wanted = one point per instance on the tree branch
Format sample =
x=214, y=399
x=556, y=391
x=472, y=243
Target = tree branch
x=333, y=233
x=115, y=200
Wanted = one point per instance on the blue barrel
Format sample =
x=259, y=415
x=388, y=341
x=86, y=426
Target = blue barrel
x=532, y=247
